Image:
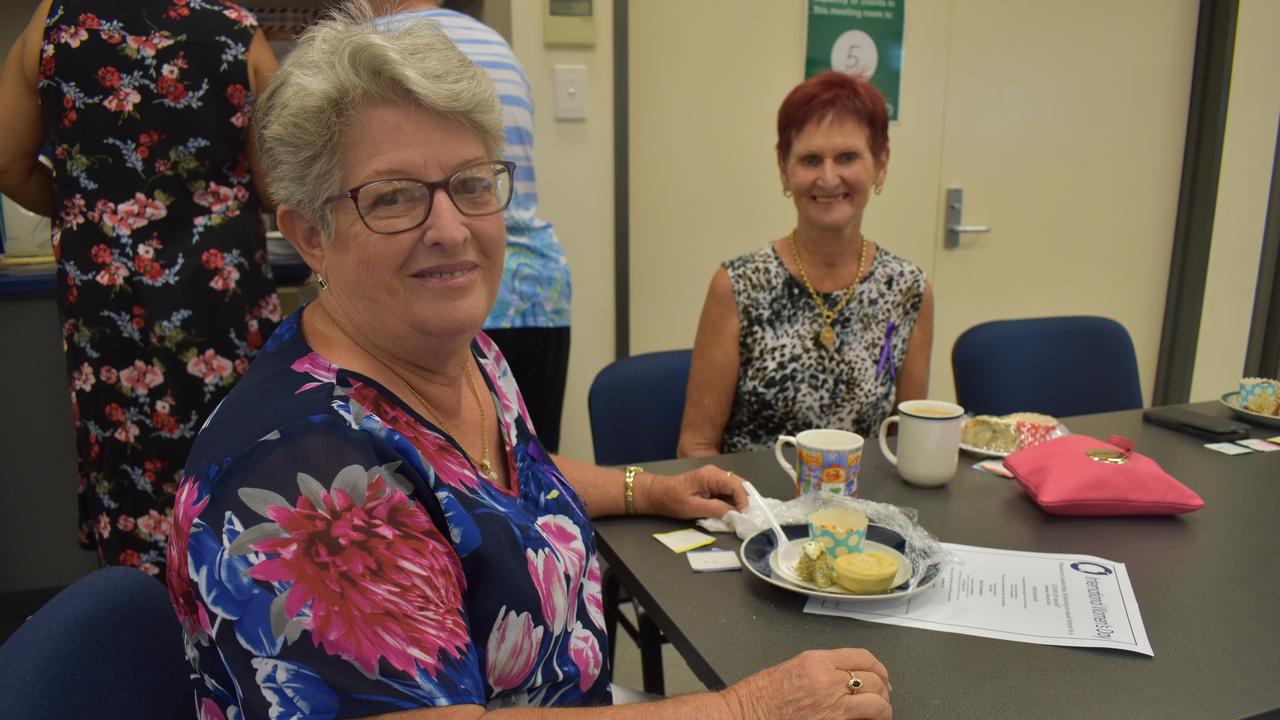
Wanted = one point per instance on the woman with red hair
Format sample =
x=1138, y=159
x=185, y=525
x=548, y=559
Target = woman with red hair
x=821, y=327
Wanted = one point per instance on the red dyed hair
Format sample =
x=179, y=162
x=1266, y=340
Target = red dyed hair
x=834, y=95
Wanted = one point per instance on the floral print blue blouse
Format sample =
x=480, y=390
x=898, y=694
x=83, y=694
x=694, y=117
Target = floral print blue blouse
x=333, y=554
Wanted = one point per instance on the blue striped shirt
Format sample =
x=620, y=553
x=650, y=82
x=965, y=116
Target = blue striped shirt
x=536, y=290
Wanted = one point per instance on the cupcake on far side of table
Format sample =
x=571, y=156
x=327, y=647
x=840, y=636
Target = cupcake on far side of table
x=1033, y=428
x=988, y=432
x=1008, y=433
x=1260, y=395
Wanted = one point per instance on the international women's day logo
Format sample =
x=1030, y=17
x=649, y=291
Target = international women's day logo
x=1098, y=608
x=1091, y=568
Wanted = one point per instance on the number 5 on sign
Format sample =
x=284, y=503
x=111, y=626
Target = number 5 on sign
x=857, y=37
x=855, y=54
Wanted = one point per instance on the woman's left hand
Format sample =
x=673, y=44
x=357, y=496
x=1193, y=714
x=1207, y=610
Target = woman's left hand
x=707, y=492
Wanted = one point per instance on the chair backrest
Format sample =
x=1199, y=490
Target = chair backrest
x=1060, y=366
x=108, y=646
x=636, y=405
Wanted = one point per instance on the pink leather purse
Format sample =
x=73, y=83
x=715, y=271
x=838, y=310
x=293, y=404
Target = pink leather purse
x=1081, y=475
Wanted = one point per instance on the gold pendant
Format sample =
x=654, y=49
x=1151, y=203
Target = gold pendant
x=487, y=469
x=827, y=337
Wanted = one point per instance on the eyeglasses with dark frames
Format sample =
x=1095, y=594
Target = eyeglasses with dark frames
x=396, y=205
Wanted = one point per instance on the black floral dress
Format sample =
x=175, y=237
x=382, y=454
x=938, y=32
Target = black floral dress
x=165, y=291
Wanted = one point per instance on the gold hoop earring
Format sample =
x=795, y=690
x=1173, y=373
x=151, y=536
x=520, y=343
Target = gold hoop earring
x=786, y=193
x=879, y=189
x=320, y=281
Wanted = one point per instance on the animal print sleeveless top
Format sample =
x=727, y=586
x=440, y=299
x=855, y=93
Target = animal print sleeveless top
x=788, y=381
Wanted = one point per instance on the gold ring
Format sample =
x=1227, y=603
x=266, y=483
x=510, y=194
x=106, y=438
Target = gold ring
x=854, y=684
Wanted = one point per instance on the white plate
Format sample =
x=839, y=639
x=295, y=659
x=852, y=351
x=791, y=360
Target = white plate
x=981, y=452
x=1232, y=400
x=758, y=554
x=788, y=571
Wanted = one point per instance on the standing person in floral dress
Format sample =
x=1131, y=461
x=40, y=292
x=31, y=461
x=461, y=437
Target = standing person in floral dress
x=165, y=292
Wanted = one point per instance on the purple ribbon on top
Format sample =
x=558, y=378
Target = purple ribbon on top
x=886, y=367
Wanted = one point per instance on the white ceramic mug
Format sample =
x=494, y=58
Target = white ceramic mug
x=928, y=441
x=827, y=461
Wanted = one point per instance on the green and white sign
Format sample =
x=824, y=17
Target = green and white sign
x=862, y=37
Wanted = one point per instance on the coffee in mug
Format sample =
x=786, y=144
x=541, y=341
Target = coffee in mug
x=827, y=461
x=928, y=441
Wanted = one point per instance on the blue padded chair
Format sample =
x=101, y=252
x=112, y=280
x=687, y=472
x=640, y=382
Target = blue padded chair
x=108, y=646
x=635, y=405
x=1060, y=366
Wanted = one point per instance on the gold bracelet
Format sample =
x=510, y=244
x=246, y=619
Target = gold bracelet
x=629, y=487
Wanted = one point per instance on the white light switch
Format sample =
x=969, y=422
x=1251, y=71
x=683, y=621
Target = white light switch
x=571, y=92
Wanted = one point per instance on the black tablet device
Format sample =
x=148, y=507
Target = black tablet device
x=1197, y=424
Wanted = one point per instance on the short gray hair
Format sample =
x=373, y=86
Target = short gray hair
x=343, y=64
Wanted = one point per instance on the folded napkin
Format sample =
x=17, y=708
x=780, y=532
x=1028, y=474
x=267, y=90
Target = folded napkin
x=746, y=524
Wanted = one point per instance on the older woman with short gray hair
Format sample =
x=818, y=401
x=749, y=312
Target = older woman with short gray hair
x=318, y=97
x=368, y=523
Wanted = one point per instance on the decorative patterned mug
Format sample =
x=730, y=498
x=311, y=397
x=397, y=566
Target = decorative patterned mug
x=827, y=461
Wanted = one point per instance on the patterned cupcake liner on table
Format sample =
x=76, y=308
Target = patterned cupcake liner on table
x=1033, y=433
x=1260, y=395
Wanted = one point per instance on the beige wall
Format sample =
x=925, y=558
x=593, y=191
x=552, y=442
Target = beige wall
x=575, y=188
x=1247, y=157
x=706, y=78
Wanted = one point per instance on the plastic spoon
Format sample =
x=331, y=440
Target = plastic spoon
x=788, y=556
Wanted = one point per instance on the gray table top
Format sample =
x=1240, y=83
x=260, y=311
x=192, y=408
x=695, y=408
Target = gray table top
x=1207, y=585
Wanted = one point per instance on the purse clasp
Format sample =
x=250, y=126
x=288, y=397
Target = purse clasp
x=1107, y=455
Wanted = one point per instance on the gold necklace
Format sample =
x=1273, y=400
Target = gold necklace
x=483, y=462
x=828, y=334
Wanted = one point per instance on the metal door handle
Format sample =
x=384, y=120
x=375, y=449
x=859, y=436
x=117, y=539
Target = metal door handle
x=955, y=215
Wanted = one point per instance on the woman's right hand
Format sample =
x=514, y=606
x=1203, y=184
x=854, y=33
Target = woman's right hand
x=815, y=685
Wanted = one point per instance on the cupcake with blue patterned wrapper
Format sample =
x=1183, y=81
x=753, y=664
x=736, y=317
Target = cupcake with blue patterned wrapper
x=1260, y=395
x=840, y=530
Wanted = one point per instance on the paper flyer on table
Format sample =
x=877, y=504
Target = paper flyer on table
x=1043, y=598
